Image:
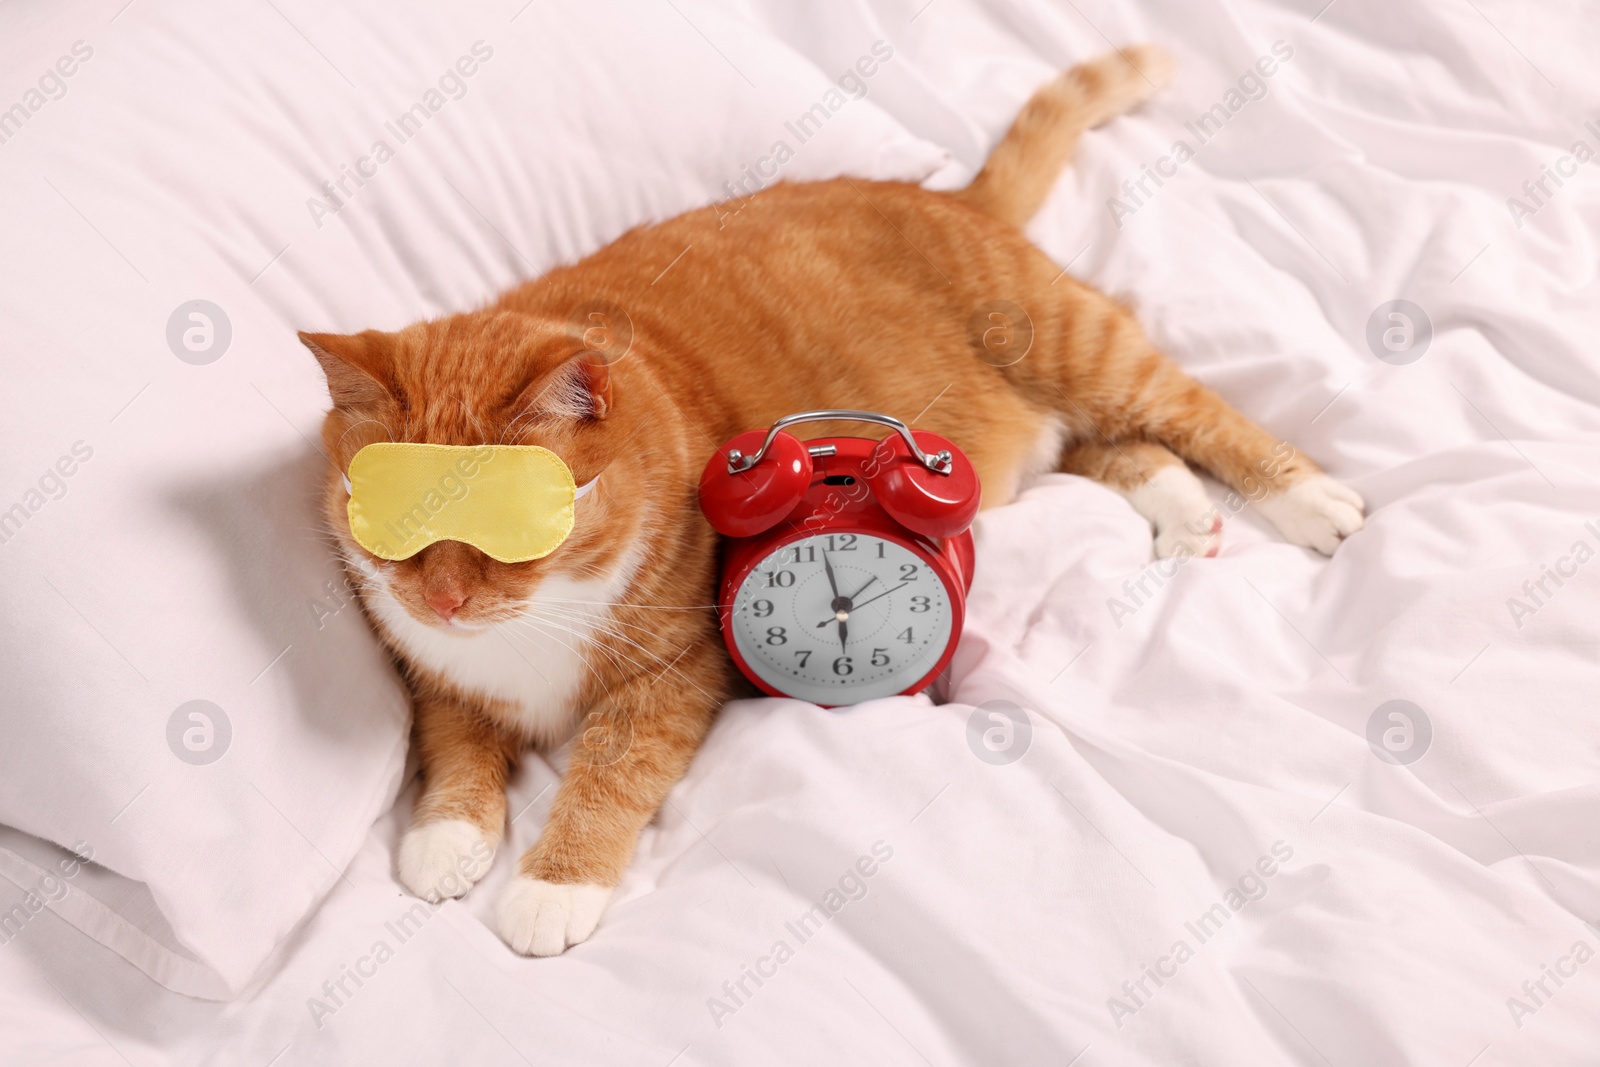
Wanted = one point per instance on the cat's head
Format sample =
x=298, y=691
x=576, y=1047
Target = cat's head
x=487, y=378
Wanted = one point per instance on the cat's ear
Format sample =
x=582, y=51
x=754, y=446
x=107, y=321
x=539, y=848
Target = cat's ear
x=580, y=388
x=356, y=365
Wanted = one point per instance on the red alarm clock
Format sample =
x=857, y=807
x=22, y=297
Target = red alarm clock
x=846, y=572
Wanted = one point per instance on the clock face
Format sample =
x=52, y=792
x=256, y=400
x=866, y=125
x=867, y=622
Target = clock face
x=874, y=629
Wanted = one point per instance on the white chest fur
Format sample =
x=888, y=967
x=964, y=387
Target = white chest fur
x=533, y=665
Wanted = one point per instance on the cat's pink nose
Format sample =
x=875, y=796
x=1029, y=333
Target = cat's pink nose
x=445, y=602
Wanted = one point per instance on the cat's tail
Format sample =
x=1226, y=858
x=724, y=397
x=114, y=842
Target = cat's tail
x=1025, y=164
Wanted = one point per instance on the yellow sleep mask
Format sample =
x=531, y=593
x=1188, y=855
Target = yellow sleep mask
x=511, y=502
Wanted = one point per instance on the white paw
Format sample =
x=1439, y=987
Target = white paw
x=538, y=918
x=1186, y=522
x=1316, y=513
x=443, y=859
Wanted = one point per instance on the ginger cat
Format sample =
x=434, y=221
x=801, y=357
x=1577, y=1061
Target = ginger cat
x=835, y=294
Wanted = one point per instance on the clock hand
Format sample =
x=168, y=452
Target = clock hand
x=841, y=605
x=863, y=589
x=880, y=596
x=832, y=584
x=864, y=603
x=852, y=597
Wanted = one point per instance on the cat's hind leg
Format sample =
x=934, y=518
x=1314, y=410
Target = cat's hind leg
x=1285, y=487
x=1111, y=383
x=1159, y=485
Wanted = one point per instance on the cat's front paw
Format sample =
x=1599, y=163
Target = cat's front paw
x=1316, y=513
x=443, y=859
x=539, y=918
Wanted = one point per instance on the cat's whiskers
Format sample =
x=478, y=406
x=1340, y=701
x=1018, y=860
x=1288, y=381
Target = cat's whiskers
x=386, y=429
x=630, y=605
x=507, y=428
x=613, y=654
x=601, y=625
x=476, y=425
x=597, y=627
x=599, y=618
x=587, y=635
x=534, y=624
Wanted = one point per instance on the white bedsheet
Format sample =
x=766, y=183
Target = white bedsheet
x=1191, y=729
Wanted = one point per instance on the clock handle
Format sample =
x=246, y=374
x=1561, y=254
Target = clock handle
x=939, y=463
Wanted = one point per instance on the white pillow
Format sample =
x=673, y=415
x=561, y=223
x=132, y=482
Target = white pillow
x=167, y=232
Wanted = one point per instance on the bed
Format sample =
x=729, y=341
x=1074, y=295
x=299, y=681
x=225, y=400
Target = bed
x=1267, y=808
